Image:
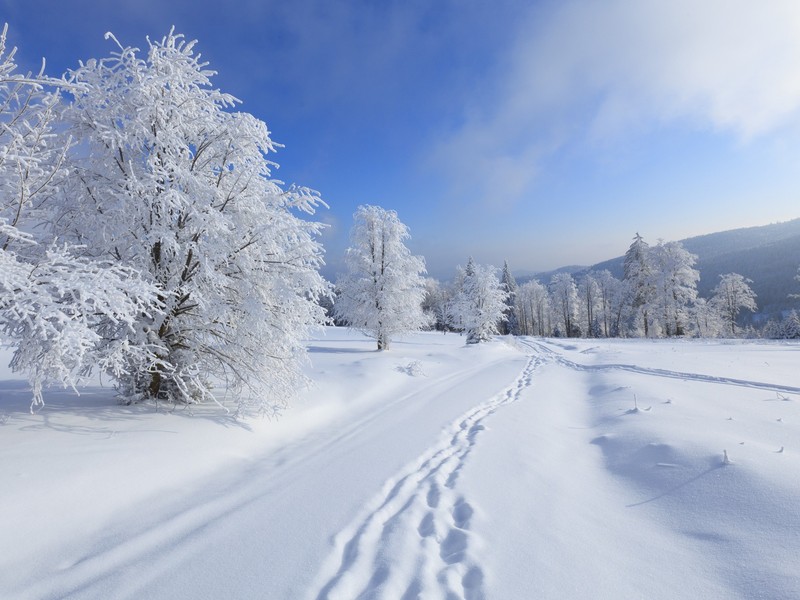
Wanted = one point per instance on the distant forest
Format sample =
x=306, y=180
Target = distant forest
x=769, y=255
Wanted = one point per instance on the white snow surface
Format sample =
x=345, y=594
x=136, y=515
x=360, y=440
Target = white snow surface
x=521, y=468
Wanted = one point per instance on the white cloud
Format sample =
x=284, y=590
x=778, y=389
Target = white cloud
x=586, y=70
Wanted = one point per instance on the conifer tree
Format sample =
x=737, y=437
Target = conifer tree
x=509, y=285
x=639, y=276
x=480, y=302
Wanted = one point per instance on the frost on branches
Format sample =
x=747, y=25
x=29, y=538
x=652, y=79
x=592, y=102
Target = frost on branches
x=177, y=185
x=383, y=289
x=731, y=295
x=674, y=284
x=162, y=196
x=480, y=304
x=61, y=313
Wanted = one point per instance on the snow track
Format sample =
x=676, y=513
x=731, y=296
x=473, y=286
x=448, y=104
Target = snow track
x=413, y=539
x=544, y=350
x=141, y=554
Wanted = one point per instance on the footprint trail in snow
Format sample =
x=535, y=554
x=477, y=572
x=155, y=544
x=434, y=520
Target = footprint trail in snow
x=414, y=538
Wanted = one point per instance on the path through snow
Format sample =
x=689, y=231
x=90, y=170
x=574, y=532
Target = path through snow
x=413, y=539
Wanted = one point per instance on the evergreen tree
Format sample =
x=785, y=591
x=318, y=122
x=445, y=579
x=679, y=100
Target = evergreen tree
x=509, y=285
x=639, y=276
x=480, y=302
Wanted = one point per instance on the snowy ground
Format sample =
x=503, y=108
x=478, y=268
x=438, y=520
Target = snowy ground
x=518, y=469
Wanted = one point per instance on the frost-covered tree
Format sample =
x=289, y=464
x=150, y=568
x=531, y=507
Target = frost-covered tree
x=533, y=308
x=706, y=319
x=384, y=286
x=612, y=303
x=31, y=155
x=788, y=328
x=171, y=181
x=639, y=277
x=564, y=294
x=730, y=296
x=674, y=286
x=480, y=302
x=511, y=323
x=59, y=312
x=64, y=315
x=589, y=301
x=436, y=305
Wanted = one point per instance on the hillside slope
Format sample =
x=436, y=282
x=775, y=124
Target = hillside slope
x=768, y=254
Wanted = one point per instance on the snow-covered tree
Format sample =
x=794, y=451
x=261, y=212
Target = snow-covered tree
x=533, y=308
x=706, y=319
x=480, y=302
x=589, y=301
x=511, y=323
x=564, y=294
x=169, y=180
x=639, y=276
x=731, y=295
x=612, y=303
x=788, y=328
x=674, y=285
x=59, y=312
x=384, y=286
x=64, y=316
x=436, y=305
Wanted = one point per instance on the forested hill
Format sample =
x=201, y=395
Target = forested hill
x=769, y=255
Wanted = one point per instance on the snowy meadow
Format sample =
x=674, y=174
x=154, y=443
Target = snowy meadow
x=518, y=468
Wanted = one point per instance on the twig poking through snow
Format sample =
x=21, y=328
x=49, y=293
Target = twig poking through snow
x=414, y=368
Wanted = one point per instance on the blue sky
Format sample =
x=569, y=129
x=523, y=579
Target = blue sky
x=547, y=133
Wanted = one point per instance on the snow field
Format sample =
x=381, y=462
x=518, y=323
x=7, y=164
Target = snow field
x=514, y=469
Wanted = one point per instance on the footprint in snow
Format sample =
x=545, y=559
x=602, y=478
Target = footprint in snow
x=454, y=547
x=433, y=496
x=427, y=527
x=421, y=502
x=462, y=513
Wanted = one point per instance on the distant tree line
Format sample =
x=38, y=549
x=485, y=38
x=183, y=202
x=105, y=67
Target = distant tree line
x=657, y=297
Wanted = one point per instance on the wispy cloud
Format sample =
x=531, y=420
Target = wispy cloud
x=584, y=71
